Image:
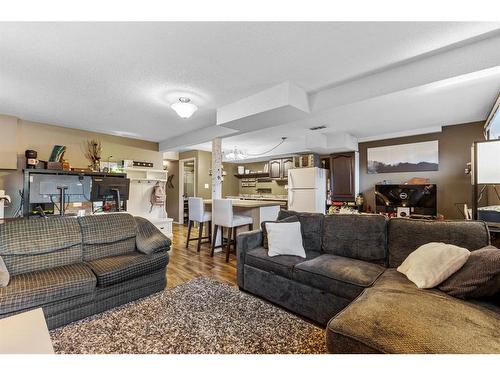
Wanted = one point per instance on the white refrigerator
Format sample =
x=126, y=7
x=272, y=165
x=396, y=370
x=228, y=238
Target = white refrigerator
x=307, y=190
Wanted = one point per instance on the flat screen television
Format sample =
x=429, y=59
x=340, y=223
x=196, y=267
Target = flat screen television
x=406, y=200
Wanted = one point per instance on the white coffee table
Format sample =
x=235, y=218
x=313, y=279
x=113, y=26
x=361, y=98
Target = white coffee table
x=25, y=333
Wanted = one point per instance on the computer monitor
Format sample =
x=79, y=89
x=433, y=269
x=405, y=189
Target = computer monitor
x=406, y=200
x=110, y=188
x=47, y=188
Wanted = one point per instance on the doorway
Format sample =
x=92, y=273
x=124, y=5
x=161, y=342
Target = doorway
x=187, y=187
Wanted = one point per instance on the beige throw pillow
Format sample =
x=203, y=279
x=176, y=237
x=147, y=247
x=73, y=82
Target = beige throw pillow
x=285, y=239
x=4, y=274
x=432, y=263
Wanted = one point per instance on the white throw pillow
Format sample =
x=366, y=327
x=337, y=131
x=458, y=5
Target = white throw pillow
x=433, y=263
x=285, y=239
x=4, y=274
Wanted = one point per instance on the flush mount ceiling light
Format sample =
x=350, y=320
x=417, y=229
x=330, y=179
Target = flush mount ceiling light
x=184, y=108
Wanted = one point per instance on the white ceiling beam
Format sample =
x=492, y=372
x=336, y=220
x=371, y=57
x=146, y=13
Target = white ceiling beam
x=480, y=55
x=406, y=133
x=279, y=104
x=194, y=138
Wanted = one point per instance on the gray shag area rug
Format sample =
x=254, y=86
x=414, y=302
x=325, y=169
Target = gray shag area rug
x=201, y=316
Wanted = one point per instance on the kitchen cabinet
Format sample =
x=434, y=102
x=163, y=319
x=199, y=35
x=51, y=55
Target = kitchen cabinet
x=286, y=164
x=342, y=176
x=275, y=169
x=278, y=168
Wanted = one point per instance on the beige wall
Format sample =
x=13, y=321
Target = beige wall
x=203, y=165
x=8, y=137
x=230, y=185
x=453, y=185
x=42, y=137
x=173, y=192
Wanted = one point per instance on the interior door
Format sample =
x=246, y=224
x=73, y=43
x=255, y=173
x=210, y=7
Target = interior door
x=342, y=169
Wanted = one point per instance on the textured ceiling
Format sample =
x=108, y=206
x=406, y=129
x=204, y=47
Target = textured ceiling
x=120, y=78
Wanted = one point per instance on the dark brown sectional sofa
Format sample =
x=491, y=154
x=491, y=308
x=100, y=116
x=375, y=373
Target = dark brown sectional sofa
x=75, y=267
x=349, y=284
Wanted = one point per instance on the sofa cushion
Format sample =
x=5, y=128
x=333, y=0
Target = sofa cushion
x=478, y=278
x=107, y=235
x=149, y=238
x=338, y=275
x=37, y=288
x=406, y=235
x=4, y=274
x=113, y=270
x=356, y=236
x=285, y=239
x=38, y=244
x=432, y=263
x=311, y=226
x=289, y=219
x=394, y=316
x=280, y=265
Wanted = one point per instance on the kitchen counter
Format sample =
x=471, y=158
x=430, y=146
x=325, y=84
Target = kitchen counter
x=243, y=203
x=273, y=199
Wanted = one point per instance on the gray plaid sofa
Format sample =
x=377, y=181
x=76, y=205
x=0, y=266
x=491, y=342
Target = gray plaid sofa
x=75, y=267
x=349, y=284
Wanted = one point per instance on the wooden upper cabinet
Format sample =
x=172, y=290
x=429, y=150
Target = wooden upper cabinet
x=342, y=171
x=286, y=164
x=275, y=168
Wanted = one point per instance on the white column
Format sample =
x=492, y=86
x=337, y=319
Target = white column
x=216, y=168
x=216, y=178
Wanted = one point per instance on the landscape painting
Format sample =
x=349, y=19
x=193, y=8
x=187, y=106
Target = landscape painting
x=410, y=157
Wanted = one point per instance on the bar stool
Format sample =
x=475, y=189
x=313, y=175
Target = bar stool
x=224, y=218
x=198, y=214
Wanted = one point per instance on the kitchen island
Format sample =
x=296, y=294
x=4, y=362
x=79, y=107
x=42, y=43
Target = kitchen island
x=259, y=210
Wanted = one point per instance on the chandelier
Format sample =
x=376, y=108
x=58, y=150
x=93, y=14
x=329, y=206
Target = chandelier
x=235, y=154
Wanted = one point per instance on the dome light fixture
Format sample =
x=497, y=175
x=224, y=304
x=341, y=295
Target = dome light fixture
x=184, y=108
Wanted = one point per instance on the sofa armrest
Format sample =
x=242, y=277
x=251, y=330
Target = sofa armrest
x=149, y=239
x=244, y=242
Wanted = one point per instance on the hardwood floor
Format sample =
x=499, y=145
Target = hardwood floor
x=186, y=264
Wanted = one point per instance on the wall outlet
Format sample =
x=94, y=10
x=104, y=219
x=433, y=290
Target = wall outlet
x=206, y=186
